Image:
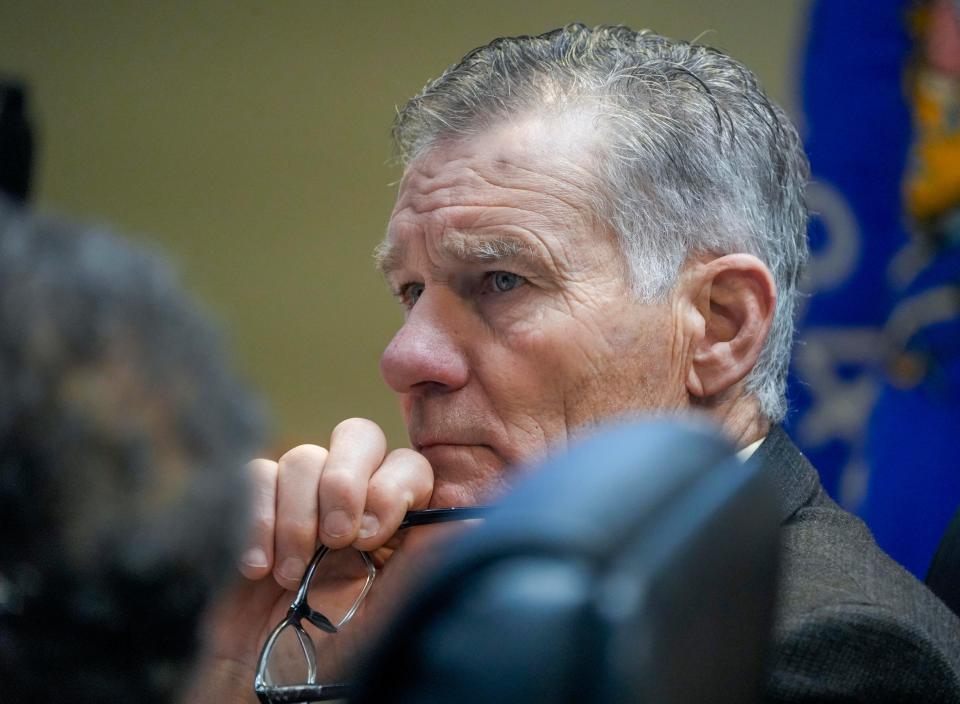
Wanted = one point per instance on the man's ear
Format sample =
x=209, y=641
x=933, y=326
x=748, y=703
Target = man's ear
x=735, y=298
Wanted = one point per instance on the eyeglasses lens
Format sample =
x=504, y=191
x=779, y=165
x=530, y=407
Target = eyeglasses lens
x=339, y=585
x=291, y=660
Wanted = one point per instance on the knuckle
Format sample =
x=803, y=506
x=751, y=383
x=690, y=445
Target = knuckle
x=297, y=532
x=263, y=523
x=304, y=457
x=263, y=514
x=406, y=455
x=339, y=483
x=410, y=458
x=416, y=470
x=383, y=494
x=263, y=482
x=357, y=428
x=262, y=469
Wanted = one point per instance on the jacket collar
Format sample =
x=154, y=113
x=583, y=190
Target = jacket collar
x=795, y=478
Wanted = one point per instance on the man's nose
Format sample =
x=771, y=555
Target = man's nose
x=425, y=354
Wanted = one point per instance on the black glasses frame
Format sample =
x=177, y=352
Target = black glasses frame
x=300, y=609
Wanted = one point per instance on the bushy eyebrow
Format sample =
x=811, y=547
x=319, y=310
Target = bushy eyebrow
x=389, y=256
x=469, y=248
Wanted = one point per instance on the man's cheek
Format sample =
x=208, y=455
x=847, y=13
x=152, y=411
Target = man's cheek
x=542, y=365
x=534, y=313
x=546, y=330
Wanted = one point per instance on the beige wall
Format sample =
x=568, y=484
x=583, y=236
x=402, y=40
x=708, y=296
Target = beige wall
x=250, y=140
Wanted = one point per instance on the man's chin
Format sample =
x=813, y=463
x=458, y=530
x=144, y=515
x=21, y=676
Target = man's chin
x=464, y=475
x=446, y=495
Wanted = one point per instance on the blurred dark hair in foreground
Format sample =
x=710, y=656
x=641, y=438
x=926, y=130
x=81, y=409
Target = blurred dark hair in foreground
x=122, y=438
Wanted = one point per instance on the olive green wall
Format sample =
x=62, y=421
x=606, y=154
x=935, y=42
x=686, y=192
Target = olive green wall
x=250, y=140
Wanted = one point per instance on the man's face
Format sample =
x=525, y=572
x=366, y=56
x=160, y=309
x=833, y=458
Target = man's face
x=520, y=326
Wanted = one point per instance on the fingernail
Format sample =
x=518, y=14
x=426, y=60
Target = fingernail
x=337, y=523
x=369, y=525
x=292, y=569
x=254, y=557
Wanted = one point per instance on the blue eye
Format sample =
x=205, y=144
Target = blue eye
x=410, y=293
x=502, y=281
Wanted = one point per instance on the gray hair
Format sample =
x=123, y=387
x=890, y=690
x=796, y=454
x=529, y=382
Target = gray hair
x=697, y=158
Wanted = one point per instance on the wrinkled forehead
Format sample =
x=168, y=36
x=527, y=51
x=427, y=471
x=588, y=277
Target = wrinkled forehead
x=553, y=155
x=524, y=191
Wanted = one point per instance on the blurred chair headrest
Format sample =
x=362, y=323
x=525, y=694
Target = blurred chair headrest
x=639, y=566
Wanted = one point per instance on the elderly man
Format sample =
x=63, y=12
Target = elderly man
x=596, y=222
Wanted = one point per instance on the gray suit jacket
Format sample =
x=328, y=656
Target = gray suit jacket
x=852, y=625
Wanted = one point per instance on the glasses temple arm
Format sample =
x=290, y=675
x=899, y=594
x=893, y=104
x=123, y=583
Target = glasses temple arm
x=444, y=515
